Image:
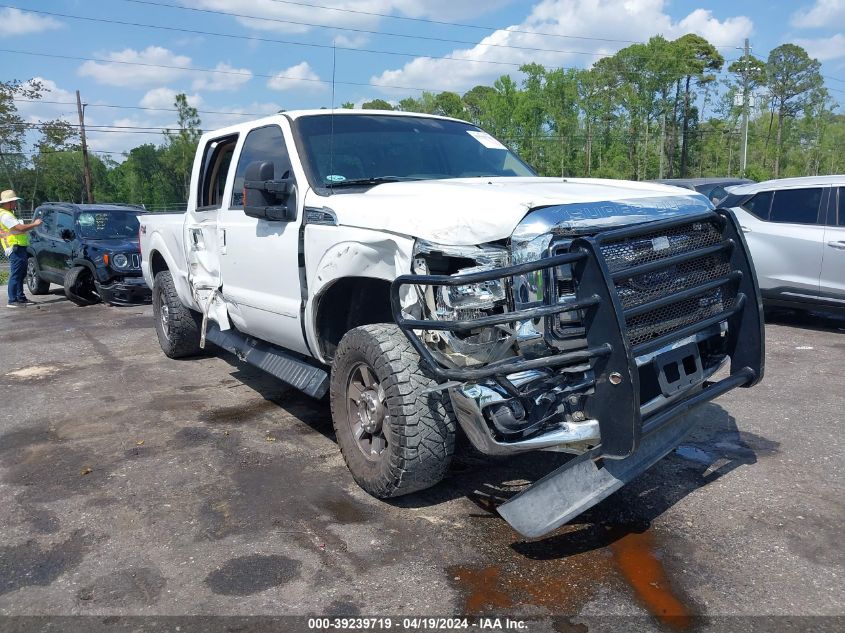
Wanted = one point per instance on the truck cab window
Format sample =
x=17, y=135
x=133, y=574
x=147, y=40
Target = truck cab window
x=215, y=168
x=261, y=144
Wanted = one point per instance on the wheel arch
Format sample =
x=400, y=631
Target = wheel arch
x=347, y=303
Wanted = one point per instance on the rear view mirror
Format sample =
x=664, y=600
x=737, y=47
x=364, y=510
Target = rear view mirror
x=264, y=196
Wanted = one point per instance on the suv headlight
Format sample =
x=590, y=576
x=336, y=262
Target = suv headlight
x=120, y=261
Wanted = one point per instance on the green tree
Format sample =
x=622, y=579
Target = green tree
x=13, y=128
x=791, y=76
x=701, y=61
x=181, y=144
x=376, y=104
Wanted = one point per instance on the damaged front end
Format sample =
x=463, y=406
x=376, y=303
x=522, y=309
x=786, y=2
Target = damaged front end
x=581, y=337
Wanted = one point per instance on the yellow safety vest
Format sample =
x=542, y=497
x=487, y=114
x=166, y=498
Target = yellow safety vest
x=8, y=239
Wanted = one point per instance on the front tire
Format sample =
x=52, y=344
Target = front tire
x=396, y=436
x=36, y=285
x=177, y=327
x=80, y=287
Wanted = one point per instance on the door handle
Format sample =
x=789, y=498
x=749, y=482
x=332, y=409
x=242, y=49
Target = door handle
x=745, y=229
x=222, y=239
x=837, y=244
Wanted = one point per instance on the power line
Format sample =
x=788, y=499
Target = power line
x=458, y=24
x=128, y=107
x=357, y=30
x=344, y=48
x=288, y=42
x=210, y=70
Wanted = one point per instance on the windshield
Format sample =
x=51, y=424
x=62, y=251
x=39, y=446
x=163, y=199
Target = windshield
x=104, y=225
x=383, y=148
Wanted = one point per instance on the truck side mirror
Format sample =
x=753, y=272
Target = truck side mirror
x=264, y=196
x=67, y=235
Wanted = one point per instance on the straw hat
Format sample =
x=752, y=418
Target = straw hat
x=9, y=196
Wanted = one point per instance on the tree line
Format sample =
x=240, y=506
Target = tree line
x=662, y=109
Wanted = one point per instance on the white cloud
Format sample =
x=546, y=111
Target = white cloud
x=226, y=78
x=300, y=77
x=729, y=32
x=17, y=22
x=604, y=20
x=824, y=48
x=164, y=97
x=822, y=14
x=126, y=76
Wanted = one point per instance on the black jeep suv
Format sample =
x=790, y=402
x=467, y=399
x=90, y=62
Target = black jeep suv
x=90, y=249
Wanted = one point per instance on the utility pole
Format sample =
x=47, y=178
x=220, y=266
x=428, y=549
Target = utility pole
x=745, y=62
x=87, y=166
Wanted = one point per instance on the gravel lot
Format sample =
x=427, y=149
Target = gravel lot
x=135, y=485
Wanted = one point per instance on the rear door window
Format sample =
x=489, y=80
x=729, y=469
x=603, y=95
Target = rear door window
x=217, y=156
x=841, y=206
x=64, y=222
x=796, y=206
x=759, y=205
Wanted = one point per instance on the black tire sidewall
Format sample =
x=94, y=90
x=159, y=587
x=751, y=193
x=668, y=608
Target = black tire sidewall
x=71, y=278
x=41, y=286
x=183, y=337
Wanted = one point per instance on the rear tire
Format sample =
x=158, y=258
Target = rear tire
x=395, y=436
x=80, y=287
x=177, y=327
x=34, y=283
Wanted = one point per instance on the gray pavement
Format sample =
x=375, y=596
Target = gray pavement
x=137, y=485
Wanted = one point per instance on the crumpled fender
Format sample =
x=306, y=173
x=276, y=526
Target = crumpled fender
x=337, y=252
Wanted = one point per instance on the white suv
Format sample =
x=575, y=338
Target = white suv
x=795, y=229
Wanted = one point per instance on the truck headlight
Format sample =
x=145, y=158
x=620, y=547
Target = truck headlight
x=461, y=302
x=120, y=261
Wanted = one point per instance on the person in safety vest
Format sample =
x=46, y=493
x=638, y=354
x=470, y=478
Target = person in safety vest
x=14, y=239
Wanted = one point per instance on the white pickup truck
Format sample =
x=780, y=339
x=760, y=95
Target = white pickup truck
x=420, y=273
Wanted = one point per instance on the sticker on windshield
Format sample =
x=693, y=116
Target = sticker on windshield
x=485, y=139
x=335, y=178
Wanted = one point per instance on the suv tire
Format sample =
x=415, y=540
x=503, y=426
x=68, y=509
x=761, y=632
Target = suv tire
x=177, y=327
x=80, y=286
x=36, y=285
x=395, y=436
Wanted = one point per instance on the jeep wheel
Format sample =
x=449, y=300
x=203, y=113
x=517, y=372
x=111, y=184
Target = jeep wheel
x=396, y=437
x=36, y=285
x=80, y=287
x=177, y=327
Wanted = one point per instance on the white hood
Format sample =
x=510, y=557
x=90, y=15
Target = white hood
x=467, y=211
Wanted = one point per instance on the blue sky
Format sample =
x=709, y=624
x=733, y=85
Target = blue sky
x=281, y=57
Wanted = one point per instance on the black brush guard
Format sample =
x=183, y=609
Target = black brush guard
x=609, y=350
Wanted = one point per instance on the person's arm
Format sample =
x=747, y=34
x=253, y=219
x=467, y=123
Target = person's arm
x=24, y=228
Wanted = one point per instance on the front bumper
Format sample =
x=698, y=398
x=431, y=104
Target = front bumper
x=626, y=389
x=126, y=291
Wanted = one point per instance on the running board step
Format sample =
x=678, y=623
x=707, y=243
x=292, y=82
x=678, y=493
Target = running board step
x=286, y=367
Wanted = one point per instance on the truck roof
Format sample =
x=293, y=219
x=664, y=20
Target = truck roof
x=296, y=114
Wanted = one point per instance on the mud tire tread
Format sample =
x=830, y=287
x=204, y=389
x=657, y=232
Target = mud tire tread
x=184, y=339
x=421, y=436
